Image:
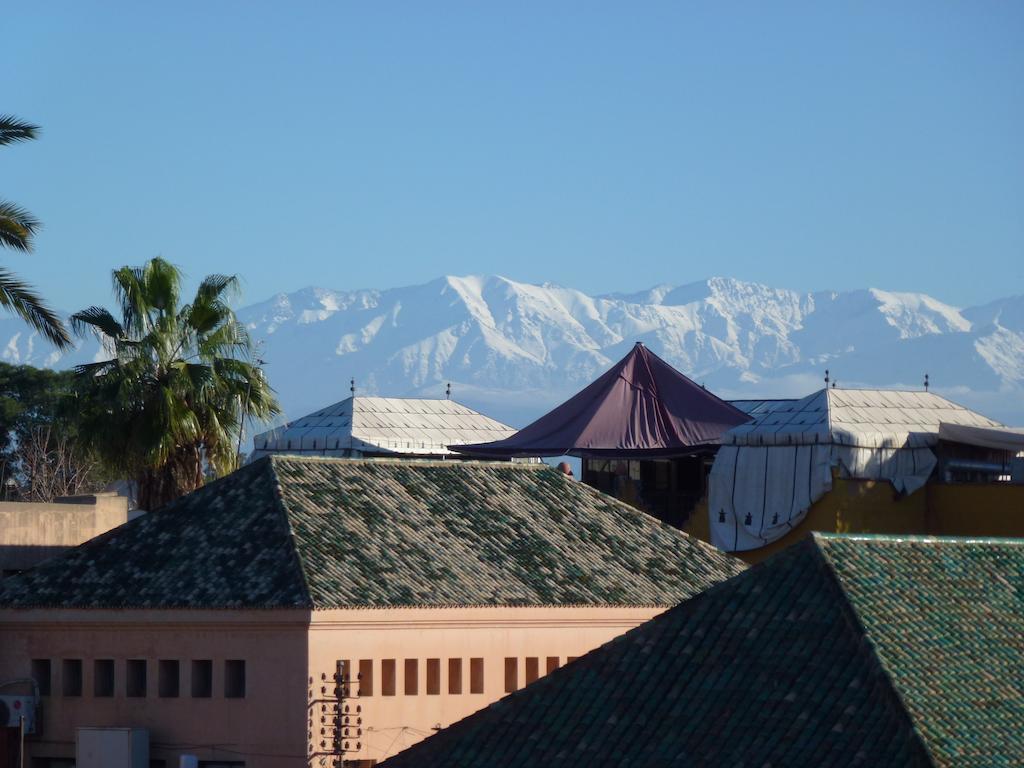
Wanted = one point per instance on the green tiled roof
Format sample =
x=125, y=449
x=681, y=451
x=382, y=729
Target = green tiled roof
x=839, y=651
x=330, y=533
x=946, y=619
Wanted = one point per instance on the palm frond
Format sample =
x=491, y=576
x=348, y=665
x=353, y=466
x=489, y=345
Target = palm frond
x=131, y=296
x=225, y=340
x=96, y=319
x=17, y=226
x=13, y=129
x=162, y=282
x=20, y=298
x=214, y=287
x=92, y=370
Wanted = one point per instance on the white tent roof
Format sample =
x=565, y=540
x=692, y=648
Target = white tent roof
x=869, y=418
x=760, y=407
x=998, y=438
x=770, y=471
x=383, y=425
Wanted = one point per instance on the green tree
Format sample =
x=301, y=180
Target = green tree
x=172, y=399
x=41, y=452
x=17, y=229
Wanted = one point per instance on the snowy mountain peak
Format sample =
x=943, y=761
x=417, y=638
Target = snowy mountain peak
x=916, y=314
x=515, y=349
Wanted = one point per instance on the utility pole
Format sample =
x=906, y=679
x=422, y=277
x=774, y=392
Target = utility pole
x=335, y=718
x=245, y=409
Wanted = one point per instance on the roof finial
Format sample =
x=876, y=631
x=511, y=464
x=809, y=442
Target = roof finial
x=448, y=391
x=926, y=382
x=826, y=378
x=352, y=387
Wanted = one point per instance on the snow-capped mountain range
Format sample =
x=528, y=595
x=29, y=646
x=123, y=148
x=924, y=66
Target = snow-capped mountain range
x=514, y=350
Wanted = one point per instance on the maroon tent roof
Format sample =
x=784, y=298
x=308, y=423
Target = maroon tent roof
x=642, y=407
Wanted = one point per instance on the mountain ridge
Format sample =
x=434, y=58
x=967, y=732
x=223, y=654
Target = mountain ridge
x=516, y=349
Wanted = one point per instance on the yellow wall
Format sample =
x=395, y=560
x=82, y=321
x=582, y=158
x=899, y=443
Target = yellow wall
x=869, y=506
x=976, y=510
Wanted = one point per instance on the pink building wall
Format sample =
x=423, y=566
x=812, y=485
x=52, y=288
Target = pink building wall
x=268, y=726
x=391, y=723
x=283, y=650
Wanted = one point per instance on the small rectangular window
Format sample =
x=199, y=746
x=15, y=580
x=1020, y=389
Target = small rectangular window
x=168, y=678
x=412, y=677
x=433, y=677
x=455, y=676
x=202, y=678
x=532, y=669
x=234, y=679
x=476, y=675
x=41, y=673
x=135, y=679
x=71, y=674
x=103, y=678
x=366, y=677
x=387, y=677
x=552, y=664
x=511, y=674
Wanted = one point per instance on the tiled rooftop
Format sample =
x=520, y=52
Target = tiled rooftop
x=839, y=651
x=331, y=533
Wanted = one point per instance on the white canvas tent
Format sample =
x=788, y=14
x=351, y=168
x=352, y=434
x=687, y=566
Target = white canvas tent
x=997, y=438
x=771, y=470
x=360, y=426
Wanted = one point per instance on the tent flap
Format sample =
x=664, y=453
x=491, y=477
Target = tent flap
x=998, y=438
x=757, y=494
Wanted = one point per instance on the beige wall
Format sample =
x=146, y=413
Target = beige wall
x=391, y=723
x=31, y=533
x=268, y=725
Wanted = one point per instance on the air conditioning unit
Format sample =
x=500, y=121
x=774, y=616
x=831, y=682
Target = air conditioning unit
x=13, y=708
x=111, y=747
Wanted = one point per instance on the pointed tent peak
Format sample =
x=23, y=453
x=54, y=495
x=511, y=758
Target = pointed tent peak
x=640, y=407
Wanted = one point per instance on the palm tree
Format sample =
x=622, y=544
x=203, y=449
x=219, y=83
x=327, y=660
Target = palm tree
x=179, y=385
x=17, y=228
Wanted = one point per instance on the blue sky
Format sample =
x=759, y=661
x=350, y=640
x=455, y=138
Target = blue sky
x=597, y=145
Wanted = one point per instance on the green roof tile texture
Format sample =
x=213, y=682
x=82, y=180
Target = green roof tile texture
x=838, y=651
x=226, y=545
x=333, y=533
x=946, y=619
